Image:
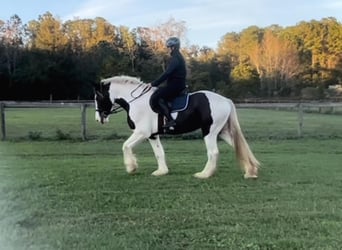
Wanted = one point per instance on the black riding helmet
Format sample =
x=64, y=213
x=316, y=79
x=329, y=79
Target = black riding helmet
x=173, y=42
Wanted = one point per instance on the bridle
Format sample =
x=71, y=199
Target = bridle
x=118, y=108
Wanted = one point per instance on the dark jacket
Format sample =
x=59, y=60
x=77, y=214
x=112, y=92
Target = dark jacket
x=175, y=72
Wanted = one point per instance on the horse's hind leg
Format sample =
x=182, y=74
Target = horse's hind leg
x=224, y=135
x=160, y=156
x=213, y=152
x=129, y=158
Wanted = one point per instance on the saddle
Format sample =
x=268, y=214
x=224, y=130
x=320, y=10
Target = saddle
x=180, y=102
x=175, y=105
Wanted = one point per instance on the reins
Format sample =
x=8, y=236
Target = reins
x=117, y=109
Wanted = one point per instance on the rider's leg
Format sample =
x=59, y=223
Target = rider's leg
x=159, y=104
x=154, y=100
x=166, y=112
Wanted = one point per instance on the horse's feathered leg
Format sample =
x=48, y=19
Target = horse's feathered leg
x=160, y=156
x=129, y=158
x=213, y=153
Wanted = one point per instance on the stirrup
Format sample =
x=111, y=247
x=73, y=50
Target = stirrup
x=169, y=124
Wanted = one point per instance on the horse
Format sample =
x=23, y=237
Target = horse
x=212, y=113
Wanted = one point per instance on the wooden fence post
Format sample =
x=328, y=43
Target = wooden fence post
x=300, y=120
x=3, y=123
x=84, y=121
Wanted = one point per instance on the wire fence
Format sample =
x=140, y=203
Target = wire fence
x=61, y=121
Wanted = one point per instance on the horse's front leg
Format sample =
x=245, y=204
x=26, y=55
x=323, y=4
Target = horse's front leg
x=130, y=160
x=160, y=156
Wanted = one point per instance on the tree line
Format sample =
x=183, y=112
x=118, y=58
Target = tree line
x=50, y=59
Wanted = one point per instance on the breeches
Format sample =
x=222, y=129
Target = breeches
x=166, y=93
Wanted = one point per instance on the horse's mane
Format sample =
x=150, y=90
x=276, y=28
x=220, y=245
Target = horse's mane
x=122, y=80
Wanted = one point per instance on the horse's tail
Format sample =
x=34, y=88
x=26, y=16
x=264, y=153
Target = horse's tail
x=242, y=150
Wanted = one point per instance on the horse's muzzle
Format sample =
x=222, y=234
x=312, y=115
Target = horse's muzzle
x=101, y=117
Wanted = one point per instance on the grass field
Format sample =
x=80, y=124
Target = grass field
x=62, y=123
x=69, y=194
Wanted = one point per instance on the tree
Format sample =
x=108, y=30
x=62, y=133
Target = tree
x=245, y=81
x=47, y=33
x=79, y=33
x=155, y=37
x=279, y=61
x=66, y=58
x=229, y=49
x=205, y=71
x=102, y=31
x=129, y=44
x=84, y=34
x=319, y=47
x=12, y=35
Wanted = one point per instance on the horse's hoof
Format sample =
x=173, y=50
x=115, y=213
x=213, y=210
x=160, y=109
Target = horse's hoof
x=160, y=172
x=200, y=175
x=250, y=176
x=131, y=170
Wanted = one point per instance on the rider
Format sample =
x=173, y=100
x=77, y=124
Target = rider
x=174, y=75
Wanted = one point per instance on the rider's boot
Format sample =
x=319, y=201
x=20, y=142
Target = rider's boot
x=166, y=112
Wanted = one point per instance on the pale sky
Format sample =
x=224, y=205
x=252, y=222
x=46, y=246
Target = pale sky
x=206, y=20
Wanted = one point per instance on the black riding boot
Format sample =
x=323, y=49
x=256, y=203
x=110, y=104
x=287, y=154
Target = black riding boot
x=166, y=112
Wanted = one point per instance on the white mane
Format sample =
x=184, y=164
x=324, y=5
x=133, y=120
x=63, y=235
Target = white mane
x=122, y=80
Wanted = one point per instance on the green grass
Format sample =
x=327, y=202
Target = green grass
x=76, y=195
x=47, y=121
x=69, y=194
x=273, y=124
x=257, y=124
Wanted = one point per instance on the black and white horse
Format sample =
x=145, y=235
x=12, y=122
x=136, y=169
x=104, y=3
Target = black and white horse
x=214, y=114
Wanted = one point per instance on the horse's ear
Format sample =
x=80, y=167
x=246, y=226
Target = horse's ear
x=98, y=88
x=106, y=87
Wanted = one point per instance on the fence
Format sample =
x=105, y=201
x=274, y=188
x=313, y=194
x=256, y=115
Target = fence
x=83, y=107
x=300, y=108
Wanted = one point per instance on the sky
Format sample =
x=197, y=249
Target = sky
x=207, y=21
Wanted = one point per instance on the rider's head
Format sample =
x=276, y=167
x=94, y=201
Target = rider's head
x=173, y=43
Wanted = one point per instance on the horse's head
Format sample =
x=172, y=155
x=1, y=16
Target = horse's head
x=103, y=103
x=119, y=90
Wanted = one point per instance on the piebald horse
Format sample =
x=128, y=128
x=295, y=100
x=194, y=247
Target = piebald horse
x=214, y=114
